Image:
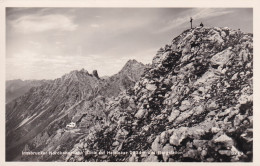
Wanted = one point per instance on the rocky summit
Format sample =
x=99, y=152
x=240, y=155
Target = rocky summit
x=193, y=103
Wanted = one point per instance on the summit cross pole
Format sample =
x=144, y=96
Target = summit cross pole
x=191, y=22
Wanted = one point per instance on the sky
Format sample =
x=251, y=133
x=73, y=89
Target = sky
x=46, y=43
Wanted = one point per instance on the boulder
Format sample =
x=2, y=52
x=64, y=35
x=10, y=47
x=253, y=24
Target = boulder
x=156, y=146
x=116, y=143
x=224, y=139
x=215, y=130
x=199, y=143
x=192, y=154
x=196, y=132
x=199, y=110
x=121, y=134
x=151, y=158
x=225, y=152
x=133, y=159
x=183, y=116
x=204, y=153
x=151, y=87
x=185, y=104
x=140, y=113
x=212, y=105
x=167, y=151
x=236, y=153
x=174, y=115
x=178, y=136
x=222, y=57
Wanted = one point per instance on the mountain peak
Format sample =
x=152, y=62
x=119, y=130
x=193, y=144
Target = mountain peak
x=84, y=71
x=208, y=39
x=132, y=64
x=76, y=75
x=132, y=61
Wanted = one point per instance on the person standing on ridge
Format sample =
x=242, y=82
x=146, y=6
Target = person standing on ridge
x=201, y=24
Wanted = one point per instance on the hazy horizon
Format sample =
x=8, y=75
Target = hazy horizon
x=90, y=72
x=46, y=43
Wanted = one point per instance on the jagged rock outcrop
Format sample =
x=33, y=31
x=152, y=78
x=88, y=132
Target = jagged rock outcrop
x=194, y=103
x=37, y=120
x=95, y=73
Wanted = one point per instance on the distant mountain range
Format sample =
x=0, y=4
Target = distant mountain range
x=16, y=88
x=49, y=105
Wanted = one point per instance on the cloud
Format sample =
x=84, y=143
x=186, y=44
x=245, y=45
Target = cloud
x=197, y=13
x=145, y=56
x=35, y=44
x=36, y=23
x=210, y=12
x=41, y=49
x=95, y=25
x=28, y=64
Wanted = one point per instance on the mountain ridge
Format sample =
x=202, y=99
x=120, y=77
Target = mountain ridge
x=193, y=103
x=55, y=99
x=16, y=88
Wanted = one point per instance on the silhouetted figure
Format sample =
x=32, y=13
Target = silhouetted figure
x=191, y=22
x=201, y=24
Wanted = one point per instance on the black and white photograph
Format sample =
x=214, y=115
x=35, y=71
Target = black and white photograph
x=129, y=84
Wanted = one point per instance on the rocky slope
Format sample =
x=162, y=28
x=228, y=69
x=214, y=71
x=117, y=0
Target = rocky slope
x=16, y=88
x=37, y=120
x=194, y=103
